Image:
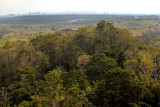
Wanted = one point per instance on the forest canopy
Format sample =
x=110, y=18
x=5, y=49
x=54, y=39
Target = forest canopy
x=100, y=65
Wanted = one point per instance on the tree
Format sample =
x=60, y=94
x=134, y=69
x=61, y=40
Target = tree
x=15, y=55
x=24, y=86
x=75, y=85
x=52, y=87
x=98, y=66
x=49, y=90
x=73, y=78
x=118, y=88
x=114, y=38
x=86, y=39
x=82, y=61
x=5, y=98
x=47, y=44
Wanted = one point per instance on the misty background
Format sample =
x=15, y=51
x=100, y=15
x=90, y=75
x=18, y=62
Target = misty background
x=81, y=6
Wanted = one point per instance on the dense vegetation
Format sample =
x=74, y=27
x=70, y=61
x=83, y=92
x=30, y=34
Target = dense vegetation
x=100, y=65
x=4, y=31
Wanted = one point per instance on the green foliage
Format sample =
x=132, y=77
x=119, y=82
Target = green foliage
x=82, y=61
x=49, y=91
x=24, y=104
x=75, y=97
x=4, y=31
x=75, y=84
x=52, y=87
x=98, y=66
x=118, y=88
x=75, y=77
x=5, y=98
x=15, y=55
x=59, y=48
x=24, y=85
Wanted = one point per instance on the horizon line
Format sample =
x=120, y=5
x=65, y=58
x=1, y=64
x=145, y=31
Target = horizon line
x=77, y=13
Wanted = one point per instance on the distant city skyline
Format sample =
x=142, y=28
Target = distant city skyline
x=78, y=13
x=80, y=6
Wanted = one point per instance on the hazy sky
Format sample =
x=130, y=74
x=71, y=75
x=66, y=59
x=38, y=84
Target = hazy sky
x=99, y=6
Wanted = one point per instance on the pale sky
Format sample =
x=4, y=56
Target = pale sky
x=98, y=6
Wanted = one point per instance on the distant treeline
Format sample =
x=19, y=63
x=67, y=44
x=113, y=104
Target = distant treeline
x=43, y=19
